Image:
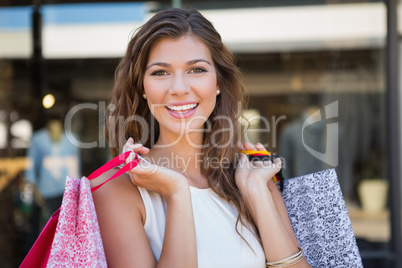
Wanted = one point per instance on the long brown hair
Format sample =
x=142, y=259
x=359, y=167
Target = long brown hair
x=127, y=100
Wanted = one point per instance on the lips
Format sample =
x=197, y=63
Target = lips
x=182, y=111
x=182, y=108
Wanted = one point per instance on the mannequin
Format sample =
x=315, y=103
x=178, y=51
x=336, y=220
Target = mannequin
x=55, y=129
x=309, y=132
x=52, y=158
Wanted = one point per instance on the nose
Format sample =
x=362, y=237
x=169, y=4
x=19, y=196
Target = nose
x=179, y=86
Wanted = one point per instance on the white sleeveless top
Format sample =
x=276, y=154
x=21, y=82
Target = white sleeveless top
x=218, y=244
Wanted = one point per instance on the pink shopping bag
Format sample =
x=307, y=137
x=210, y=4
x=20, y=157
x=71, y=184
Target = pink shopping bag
x=71, y=237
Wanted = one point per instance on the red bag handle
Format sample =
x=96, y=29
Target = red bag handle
x=118, y=160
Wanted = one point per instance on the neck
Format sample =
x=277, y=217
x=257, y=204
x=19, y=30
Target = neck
x=181, y=154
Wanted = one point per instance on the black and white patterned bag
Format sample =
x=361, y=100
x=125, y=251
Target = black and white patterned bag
x=320, y=220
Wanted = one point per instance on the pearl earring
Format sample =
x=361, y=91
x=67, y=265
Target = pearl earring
x=144, y=95
x=218, y=92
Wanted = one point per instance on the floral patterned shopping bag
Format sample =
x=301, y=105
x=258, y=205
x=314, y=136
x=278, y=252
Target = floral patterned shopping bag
x=77, y=239
x=71, y=238
x=320, y=220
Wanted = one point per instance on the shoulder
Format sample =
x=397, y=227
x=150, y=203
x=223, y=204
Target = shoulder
x=118, y=194
x=121, y=215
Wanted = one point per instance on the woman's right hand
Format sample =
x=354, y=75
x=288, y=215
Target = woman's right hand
x=154, y=178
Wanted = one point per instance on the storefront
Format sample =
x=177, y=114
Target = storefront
x=297, y=59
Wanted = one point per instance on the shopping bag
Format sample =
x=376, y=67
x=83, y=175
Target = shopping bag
x=71, y=237
x=77, y=239
x=320, y=220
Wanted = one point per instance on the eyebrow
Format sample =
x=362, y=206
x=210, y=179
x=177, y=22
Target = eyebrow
x=164, y=64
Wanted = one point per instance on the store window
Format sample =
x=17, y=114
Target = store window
x=314, y=73
x=328, y=102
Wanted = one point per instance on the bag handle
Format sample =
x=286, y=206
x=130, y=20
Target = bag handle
x=118, y=160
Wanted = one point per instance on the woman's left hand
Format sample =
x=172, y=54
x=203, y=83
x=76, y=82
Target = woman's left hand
x=266, y=206
x=251, y=177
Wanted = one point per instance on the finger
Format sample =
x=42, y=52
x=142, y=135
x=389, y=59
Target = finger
x=267, y=164
x=262, y=164
x=240, y=146
x=257, y=164
x=278, y=163
x=127, y=144
x=144, y=164
x=249, y=146
x=244, y=164
x=134, y=153
x=135, y=145
x=256, y=160
x=143, y=167
x=138, y=148
x=130, y=157
x=260, y=147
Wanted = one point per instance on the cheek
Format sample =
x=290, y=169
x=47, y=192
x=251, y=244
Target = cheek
x=212, y=106
x=148, y=86
x=208, y=86
x=153, y=96
x=154, y=91
x=208, y=90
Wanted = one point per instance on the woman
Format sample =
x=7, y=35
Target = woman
x=193, y=203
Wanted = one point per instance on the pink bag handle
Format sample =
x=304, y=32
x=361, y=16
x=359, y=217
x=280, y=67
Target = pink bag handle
x=118, y=160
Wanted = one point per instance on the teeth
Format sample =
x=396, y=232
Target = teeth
x=182, y=107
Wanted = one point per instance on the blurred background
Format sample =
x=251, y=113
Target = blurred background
x=298, y=58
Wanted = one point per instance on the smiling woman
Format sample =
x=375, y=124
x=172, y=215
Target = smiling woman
x=180, y=84
x=217, y=210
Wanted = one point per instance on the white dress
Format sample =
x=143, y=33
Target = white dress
x=218, y=244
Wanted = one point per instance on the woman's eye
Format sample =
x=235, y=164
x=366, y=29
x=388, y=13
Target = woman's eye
x=197, y=70
x=159, y=73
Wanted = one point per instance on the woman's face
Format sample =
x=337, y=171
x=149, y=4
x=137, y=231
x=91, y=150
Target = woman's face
x=180, y=84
